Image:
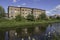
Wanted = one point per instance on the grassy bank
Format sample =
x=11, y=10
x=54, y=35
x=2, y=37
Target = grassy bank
x=14, y=24
x=8, y=25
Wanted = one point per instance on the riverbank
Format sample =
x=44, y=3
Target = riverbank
x=31, y=32
x=21, y=24
x=7, y=26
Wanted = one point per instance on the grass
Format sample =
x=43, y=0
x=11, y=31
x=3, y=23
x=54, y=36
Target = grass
x=13, y=24
x=25, y=23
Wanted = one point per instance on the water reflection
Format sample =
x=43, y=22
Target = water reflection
x=51, y=32
x=6, y=35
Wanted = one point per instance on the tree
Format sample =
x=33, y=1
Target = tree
x=2, y=11
x=42, y=16
x=18, y=18
x=57, y=17
x=30, y=17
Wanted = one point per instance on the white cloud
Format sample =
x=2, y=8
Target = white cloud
x=24, y=4
x=58, y=7
x=53, y=11
x=47, y=11
x=14, y=0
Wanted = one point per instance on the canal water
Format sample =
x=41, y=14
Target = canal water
x=52, y=32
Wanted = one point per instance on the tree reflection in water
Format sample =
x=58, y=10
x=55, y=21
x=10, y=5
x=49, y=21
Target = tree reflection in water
x=51, y=33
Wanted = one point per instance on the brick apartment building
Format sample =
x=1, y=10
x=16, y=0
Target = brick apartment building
x=23, y=11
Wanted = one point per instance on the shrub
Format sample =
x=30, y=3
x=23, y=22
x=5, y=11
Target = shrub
x=30, y=17
x=42, y=16
x=18, y=18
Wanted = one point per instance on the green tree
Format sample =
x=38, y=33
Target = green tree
x=18, y=18
x=30, y=17
x=50, y=17
x=42, y=16
x=57, y=17
x=2, y=11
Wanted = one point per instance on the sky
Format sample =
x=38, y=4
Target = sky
x=51, y=6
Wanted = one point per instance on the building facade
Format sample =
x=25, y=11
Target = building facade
x=23, y=11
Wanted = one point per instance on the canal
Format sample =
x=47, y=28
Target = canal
x=51, y=32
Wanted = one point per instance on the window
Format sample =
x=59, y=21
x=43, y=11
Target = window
x=22, y=9
x=23, y=13
x=11, y=16
x=15, y=9
x=12, y=11
x=18, y=10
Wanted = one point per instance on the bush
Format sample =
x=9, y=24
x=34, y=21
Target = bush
x=42, y=16
x=3, y=20
x=57, y=17
x=18, y=18
x=30, y=17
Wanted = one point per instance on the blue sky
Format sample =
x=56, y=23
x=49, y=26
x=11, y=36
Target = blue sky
x=48, y=5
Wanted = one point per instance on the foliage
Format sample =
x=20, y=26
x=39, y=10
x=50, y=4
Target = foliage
x=57, y=17
x=42, y=16
x=18, y=18
x=50, y=17
x=2, y=12
x=3, y=20
x=30, y=17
